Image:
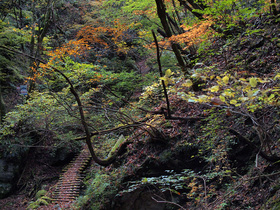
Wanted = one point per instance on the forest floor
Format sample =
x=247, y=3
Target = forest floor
x=37, y=174
x=58, y=192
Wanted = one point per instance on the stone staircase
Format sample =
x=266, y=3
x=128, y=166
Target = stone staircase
x=67, y=189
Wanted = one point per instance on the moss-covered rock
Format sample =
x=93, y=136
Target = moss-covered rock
x=42, y=201
x=40, y=193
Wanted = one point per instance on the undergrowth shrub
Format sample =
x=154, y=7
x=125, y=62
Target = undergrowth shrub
x=101, y=188
x=41, y=121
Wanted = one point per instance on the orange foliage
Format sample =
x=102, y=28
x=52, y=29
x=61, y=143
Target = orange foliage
x=105, y=36
x=72, y=48
x=88, y=35
x=139, y=12
x=193, y=35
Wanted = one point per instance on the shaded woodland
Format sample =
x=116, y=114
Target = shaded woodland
x=131, y=104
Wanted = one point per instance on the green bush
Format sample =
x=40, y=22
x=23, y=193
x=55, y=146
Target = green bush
x=100, y=190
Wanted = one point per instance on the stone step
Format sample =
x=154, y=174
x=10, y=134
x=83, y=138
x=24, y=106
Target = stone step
x=67, y=188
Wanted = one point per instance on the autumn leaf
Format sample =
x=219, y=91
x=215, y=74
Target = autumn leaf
x=188, y=83
x=225, y=79
x=168, y=73
x=277, y=76
x=253, y=82
x=214, y=88
x=217, y=101
x=234, y=102
x=222, y=98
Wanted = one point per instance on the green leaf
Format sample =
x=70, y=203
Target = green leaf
x=271, y=97
x=253, y=82
x=144, y=180
x=191, y=100
x=223, y=99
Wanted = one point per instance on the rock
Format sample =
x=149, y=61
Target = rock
x=5, y=189
x=8, y=174
x=40, y=193
x=8, y=171
x=182, y=157
x=62, y=156
x=140, y=199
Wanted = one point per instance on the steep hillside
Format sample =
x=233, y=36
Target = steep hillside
x=213, y=153
x=203, y=133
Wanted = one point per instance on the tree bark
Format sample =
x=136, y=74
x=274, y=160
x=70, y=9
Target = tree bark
x=200, y=6
x=184, y=3
x=2, y=106
x=161, y=11
x=161, y=74
x=273, y=7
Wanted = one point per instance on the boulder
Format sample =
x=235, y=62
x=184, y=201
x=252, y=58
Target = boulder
x=62, y=156
x=8, y=174
x=139, y=199
x=8, y=171
x=5, y=189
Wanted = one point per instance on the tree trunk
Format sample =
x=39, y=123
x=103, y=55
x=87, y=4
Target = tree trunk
x=161, y=11
x=201, y=6
x=40, y=37
x=2, y=106
x=184, y=3
x=273, y=8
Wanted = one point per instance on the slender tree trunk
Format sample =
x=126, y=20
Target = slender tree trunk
x=32, y=48
x=176, y=12
x=273, y=7
x=2, y=106
x=189, y=8
x=45, y=25
x=161, y=74
x=161, y=11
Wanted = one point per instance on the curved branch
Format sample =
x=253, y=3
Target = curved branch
x=103, y=162
x=273, y=158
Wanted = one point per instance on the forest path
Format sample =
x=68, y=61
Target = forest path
x=68, y=187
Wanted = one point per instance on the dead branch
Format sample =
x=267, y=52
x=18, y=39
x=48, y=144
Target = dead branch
x=136, y=124
x=165, y=201
x=272, y=158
